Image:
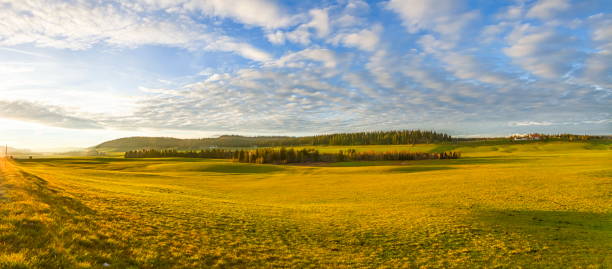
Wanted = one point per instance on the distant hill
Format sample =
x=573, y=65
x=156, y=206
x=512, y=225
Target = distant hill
x=134, y=143
x=361, y=138
x=15, y=151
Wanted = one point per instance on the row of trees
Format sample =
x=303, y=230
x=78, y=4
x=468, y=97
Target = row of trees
x=353, y=155
x=283, y=155
x=270, y=155
x=398, y=137
x=153, y=153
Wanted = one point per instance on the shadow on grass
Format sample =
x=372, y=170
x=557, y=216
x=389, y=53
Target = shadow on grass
x=478, y=160
x=603, y=173
x=416, y=169
x=242, y=168
x=536, y=220
x=353, y=164
x=38, y=218
x=575, y=239
x=63, y=204
x=110, y=160
x=461, y=161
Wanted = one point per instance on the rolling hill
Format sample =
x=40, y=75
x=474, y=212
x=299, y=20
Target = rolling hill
x=361, y=138
x=134, y=143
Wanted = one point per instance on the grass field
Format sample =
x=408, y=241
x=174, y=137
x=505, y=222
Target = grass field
x=533, y=205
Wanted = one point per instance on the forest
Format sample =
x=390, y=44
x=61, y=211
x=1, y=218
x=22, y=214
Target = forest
x=153, y=153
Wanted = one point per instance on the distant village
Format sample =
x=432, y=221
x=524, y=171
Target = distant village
x=555, y=137
x=525, y=137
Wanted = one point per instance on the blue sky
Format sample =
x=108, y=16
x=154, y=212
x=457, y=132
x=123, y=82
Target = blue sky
x=75, y=73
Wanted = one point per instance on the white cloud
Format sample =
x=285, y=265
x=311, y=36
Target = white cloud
x=255, y=99
x=393, y=85
x=276, y=37
x=365, y=39
x=297, y=59
x=530, y=123
x=361, y=83
x=427, y=76
x=598, y=66
x=452, y=27
x=353, y=14
x=379, y=66
x=243, y=49
x=217, y=77
x=444, y=22
x=447, y=17
x=598, y=69
x=320, y=22
x=82, y=25
x=512, y=12
x=300, y=35
x=262, y=13
x=48, y=115
x=424, y=14
x=466, y=66
x=432, y=44
x=546, y=9
x=346, y=20
x=543, y=52
x=357, y=6
x=492, y=33
x=602, y=25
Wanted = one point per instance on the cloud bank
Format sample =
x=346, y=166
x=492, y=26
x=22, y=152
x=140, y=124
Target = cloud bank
x=266, y=66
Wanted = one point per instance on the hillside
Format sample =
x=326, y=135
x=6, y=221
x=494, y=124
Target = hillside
x=360, y=138
x=15, y=151
x=402, y=137
x=134, y=143
x=526, y=205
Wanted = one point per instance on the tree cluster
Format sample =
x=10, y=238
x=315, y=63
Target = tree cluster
x=284, y=155
x=353, y=155
x=153, y=153
x=399, y=137
x=279, y=156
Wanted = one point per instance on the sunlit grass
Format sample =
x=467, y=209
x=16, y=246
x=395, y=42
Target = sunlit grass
x=532, y=205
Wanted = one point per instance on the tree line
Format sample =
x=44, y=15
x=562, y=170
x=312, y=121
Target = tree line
x=154, y=153
x=399, y=137
x=284, y=155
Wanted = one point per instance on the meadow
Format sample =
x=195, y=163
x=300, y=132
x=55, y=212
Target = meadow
x=531, y=205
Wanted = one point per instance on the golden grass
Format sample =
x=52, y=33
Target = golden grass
x=534, y=205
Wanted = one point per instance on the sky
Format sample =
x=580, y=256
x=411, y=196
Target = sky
x=75, y=73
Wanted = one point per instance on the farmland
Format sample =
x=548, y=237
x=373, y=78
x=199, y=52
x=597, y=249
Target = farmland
x=509, y=205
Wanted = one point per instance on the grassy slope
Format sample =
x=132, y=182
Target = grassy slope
x=534, y=205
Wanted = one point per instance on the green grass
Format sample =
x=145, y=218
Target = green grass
x=415, y=169
x=528, y=205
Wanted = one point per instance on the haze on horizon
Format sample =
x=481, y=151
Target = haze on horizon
x=77, y=73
